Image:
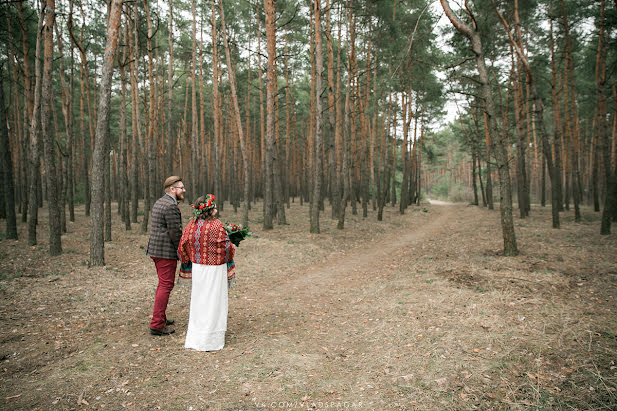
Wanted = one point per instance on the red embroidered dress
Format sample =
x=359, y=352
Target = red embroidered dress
x=206, y=242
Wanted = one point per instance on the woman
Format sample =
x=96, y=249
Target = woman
x=206, y=252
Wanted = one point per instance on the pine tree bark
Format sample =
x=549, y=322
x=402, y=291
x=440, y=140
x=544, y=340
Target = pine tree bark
x=124, y=178
x=84, y=100
x=420, y=149
x=97, y=245
x=556, y=183
x=521, y=146
x=317, y=170
x=49, y=148
x=7, y=166
x=344, y=176
x=610, y=172
x=136, y=118
x=67, y=111
x=170, y=94
x=406, y=112
x=216, y=109
x=194, y=115
x=35, y=175
x=152, y=120
x=270, y=90
x=574, y=131
x=331, y=117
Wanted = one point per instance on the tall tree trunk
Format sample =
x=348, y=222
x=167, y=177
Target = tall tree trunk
x=216, y=112
x=489, y=173
x=67, y=111
x=521, y=146
x=270, y=90
x=501, y=157
x=25, y=168
x=97, y=248
x=420, y=149
x=473, y=177
x=574, y=132
x=406, y=106
x=152, y=119
x=55, y=229
x=194, y=115
x=84, y=101
x=107, y=191
x=393, y=163
x=317, y=170
x=610, y=173
x=331, y=116
x=34, y=141
x=170, y=94
x=124, y=178
x=18, y=132
x=555, y=173
x=203, y=175
x=135, y=116
x=345, y=175
x=7, y=170
x=238, y=118
x=262, y=123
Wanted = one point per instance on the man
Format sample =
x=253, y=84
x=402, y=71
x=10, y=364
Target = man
x=165, y=233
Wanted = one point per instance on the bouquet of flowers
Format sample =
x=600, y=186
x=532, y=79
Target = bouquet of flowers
x=236, y=233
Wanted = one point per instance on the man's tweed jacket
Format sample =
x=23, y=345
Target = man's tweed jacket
x=166, y=223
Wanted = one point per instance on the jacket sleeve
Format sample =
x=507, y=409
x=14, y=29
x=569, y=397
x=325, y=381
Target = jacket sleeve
x=173, y=221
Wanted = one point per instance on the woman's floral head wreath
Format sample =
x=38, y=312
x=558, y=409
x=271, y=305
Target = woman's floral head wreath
x=203, y=205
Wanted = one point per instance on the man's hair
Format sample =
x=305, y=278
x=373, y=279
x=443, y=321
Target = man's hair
x=170, y=181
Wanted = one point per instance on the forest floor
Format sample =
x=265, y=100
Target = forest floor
x=419, y=311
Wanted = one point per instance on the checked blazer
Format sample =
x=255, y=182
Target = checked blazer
x=165, y=229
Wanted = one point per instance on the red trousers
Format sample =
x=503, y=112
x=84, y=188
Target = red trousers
x=166, y=270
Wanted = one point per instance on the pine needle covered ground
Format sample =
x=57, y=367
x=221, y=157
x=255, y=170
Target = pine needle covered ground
x=419, y=311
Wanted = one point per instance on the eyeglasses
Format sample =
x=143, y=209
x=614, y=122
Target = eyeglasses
x=178, y=188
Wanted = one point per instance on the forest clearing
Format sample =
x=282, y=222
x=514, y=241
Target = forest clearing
x=419, y=311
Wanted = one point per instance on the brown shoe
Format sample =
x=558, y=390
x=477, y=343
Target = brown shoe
x=162, y=331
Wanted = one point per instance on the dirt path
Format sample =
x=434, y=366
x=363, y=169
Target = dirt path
x=418, y=311
x=384, y=249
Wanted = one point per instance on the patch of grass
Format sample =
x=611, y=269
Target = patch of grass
x=481, y=289
x=10, y=276
x=429, y=281
x=70, y=251
x=52, y=273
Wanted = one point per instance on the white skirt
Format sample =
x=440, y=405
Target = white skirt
x=208, y=313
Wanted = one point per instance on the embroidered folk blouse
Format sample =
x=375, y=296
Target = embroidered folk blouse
x=206, y=242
